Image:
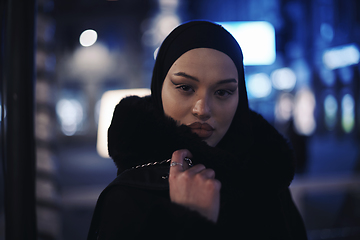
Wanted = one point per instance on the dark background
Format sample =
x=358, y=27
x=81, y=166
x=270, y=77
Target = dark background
x=71, y=174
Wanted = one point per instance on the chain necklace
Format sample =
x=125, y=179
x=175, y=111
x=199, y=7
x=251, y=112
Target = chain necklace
x=188, y=160
x=151, y=164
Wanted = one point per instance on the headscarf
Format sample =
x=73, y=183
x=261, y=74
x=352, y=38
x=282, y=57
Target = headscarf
x=203, y=34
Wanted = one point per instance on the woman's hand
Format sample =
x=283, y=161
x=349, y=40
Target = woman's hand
x=195, y=187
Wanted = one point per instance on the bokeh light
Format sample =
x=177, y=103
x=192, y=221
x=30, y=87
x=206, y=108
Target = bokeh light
x=347, y=113
x=327, y=32
x=304, y=107
x=259, y=85
x=284, y=107
x=346, y=74
x=283, y=79
x=70, y=113
x=327, y=76
x=160, y=27
x=331, y=108
x=88, y=38
x=168, y=5
x=341, y=56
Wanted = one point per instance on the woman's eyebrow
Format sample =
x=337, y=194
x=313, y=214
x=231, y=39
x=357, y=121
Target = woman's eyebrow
x=182, y=74
x=230, y=80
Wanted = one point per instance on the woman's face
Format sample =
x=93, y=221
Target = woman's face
x=200, y=90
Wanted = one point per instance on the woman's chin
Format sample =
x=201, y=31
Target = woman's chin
x=211, y=142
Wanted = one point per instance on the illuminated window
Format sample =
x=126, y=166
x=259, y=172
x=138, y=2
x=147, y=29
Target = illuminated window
x=347, y=113
x=107, y=105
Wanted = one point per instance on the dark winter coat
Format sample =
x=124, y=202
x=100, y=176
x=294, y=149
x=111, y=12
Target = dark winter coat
x=255, y=202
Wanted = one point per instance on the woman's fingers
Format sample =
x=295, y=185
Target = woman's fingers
x=208, y=173
x=196, y=169
x=178, y=164
x=194, y=187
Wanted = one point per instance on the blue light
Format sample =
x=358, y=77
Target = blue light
x=331, y=108
x=327, y=32
x=283, y=79
x=327, y=76
x=257, y=41
x=341, y=56
x=259, y=85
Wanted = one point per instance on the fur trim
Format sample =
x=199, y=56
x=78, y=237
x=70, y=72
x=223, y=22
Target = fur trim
x=138, y=134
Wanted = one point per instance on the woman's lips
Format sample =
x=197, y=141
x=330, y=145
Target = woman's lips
x=203, y=130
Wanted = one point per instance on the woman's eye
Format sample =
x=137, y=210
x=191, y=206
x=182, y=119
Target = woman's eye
x=185, y=88
x=223, y=93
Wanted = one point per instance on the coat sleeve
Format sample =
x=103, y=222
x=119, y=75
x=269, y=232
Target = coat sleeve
x=128, y=213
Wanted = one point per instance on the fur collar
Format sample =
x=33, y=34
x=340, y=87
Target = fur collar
x=138, y=134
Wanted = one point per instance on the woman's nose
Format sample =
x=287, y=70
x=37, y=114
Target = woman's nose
x=202, y=109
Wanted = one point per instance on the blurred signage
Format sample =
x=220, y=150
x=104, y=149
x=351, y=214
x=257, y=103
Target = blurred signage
x=341, y=56
x=256, y=39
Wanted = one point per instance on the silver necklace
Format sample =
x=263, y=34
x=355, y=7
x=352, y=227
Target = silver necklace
x=188, y=160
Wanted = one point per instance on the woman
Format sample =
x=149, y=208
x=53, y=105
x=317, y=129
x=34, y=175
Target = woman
x=193, y=161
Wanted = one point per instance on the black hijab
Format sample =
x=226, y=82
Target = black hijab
x=205, y=34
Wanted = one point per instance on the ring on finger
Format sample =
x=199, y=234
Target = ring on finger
x=175, y=163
